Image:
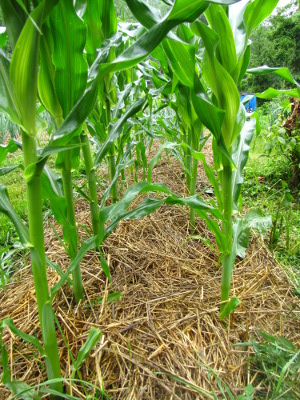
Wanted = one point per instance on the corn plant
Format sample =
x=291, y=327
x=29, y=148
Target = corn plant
x=19, y=89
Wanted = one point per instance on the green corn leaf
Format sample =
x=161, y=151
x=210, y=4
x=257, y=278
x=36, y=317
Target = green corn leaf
x=11, y=147
x=46, y=76
x=91, y=341
x=148, y=206
x=240, y=152
x=7, y=170
x=117, y=129
x=14, y=18
x=209, y=114
x=111, y=297
x=213, y=226
x=8, y=322
x=182, y=11
x=8, y=104
x=226, y=51
x=104, y=264
x=230, y=307
x=243, y=64
x=76, y=117
x=74, y=154
x=256, y=12
x=89, y=244
x=254, y=219
x=24, y=69
x=108, y=18
x=272, y=93
x=69, y=36
x=145, y=14
x=93, y=22
x=265, y=70
x=182, y=60
x=52, y=190
x=7, y=209
x=237, y=23
x=165, y=146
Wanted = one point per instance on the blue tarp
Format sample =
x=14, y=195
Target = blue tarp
x=251, y=105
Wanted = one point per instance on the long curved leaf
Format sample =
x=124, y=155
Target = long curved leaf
x=116, y=129
x=256, y=12
x=219, y=22
x=24, y=66
x=7, y=209
x=240, y=152
x=182, y=60
x=8, y=103
x=14, y=18
x=69, y=36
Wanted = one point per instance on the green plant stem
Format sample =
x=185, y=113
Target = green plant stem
x=112, y=172
x=193, y=179
x=38, y=262
x=68, y=193
x=111, y=158
x=91, y=178
x=228, y=260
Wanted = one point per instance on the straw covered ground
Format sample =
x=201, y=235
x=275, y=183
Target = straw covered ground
x=163, y=339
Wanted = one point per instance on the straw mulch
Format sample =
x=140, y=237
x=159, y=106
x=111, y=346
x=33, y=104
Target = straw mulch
x=163, y=339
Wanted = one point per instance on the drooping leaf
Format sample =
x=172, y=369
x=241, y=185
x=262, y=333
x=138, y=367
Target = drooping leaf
x=11, y=147
x=89, y=244
x=7, y=209
x=265, y=70
x=16, y=387
x=230, y=307
x=7, y=170
x=116, y=129
x=8, y=322
x=210, y=115
x=254, y=219
x=272, y=93
x=165, y=146
x=91, y=341
x=8, y=104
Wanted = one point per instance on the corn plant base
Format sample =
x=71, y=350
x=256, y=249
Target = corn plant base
x=168, y=317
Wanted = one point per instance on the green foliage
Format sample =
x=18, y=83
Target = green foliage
x=275, y=42
x=277, y=362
